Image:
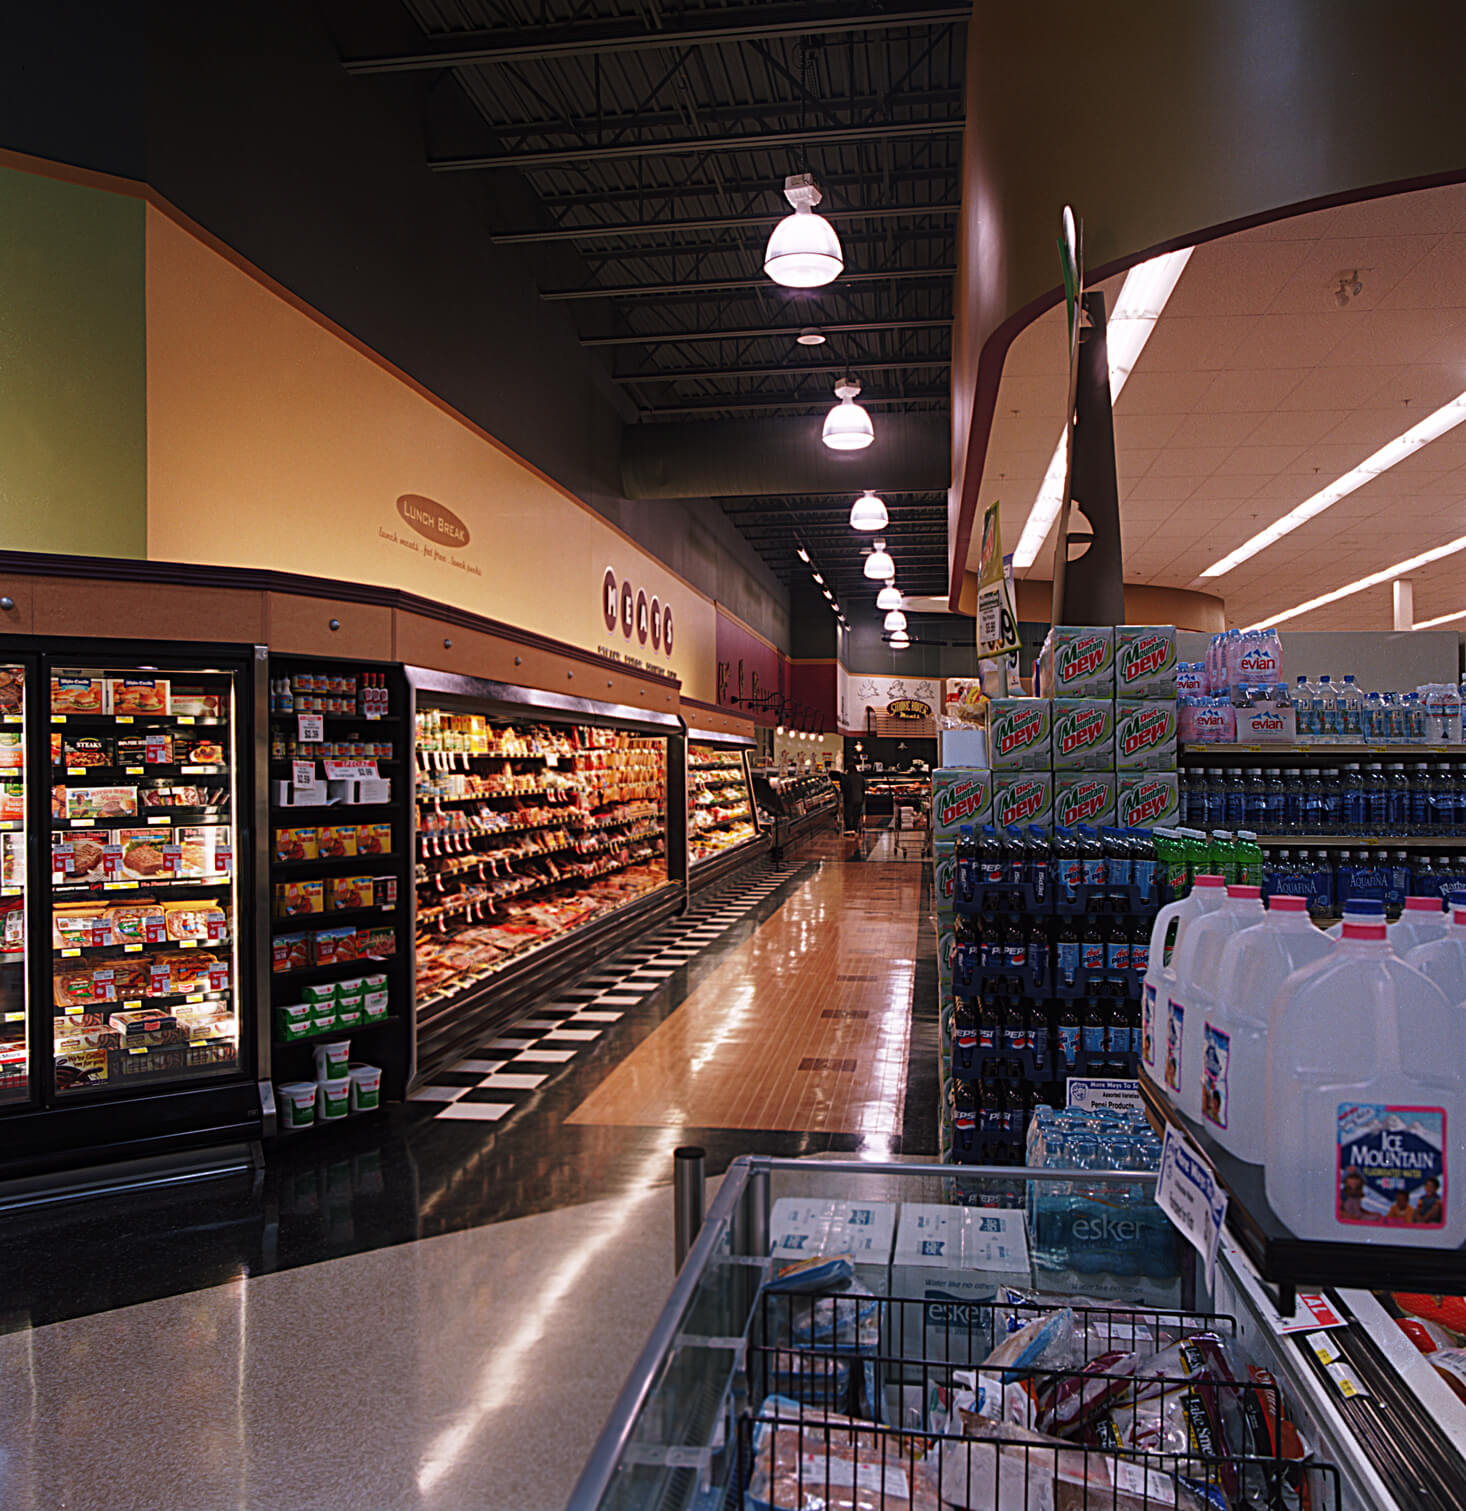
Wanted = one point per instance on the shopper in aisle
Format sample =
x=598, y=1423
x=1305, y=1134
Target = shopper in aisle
x=852, y=789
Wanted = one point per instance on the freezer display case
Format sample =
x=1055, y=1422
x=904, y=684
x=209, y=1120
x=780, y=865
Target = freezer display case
x=15, y=1057
x=720, y=811
x=144, y=839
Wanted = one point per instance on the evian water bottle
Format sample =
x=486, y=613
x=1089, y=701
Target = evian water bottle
x=1365, y=1104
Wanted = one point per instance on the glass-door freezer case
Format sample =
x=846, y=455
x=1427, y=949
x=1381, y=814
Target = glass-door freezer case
x=15, y=1058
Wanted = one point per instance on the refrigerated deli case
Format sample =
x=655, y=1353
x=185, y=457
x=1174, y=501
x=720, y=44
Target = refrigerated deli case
x=723, y=830
x=540, y=840
x=128, y=825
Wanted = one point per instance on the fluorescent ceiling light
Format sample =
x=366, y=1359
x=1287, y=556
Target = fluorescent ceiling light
x=1430, y=624
x=1436, y=424
x=1374, y=579
x=1146, y=290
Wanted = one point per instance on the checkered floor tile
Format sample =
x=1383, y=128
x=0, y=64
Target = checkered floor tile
x=500, y=1076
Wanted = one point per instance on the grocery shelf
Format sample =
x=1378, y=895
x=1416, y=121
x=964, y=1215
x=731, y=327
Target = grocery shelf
x=335, y=1030
x=1395, y=752
x=1380, y=841
x=110, y=721
x=1289, y=1262
x=309, y=973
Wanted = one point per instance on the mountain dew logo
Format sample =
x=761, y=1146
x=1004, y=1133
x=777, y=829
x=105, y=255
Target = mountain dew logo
x=1020, y=801
x=963, y=800
x=1148, y=730
x=1144, y=804
x=1077, y=659
x=1017, y=730
x=1138, y=659
x=1082, y=730
x=1082, y=801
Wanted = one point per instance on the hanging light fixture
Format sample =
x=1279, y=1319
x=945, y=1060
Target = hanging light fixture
x=847, y=426
x=900, y=640
x=895, y=620
x=803, y=251
x=889, y=597
x=801, y=553
x=878, y=565
x=811, y=335
x=869, y=513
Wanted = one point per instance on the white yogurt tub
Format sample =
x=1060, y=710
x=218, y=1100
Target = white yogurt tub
x=297, y=1103
x=333, y=1099
x=366, y=1087
x=331, y=1060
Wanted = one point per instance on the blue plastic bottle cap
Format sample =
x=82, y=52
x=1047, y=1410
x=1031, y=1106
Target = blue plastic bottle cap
x=1365, y=905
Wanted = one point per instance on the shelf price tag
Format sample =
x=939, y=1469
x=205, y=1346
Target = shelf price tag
x=125, y=719
x=303, y=774
x=1188, y=1192
x=111, y=861
x=310, y=729
x=15, y=1017
x=173, y=859
x=350, y=770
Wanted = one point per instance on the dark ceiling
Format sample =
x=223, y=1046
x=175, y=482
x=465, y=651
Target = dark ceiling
x=654, y=139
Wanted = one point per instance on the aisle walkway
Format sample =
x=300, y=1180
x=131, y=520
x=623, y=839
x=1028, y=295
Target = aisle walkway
x=432, y=1313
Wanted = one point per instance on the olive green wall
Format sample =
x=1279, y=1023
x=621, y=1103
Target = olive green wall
x=73, y=390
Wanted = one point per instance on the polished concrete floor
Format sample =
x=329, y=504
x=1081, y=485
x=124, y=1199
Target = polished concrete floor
x=434, y=1313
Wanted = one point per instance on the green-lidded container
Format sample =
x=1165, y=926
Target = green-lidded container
x=323, y=1020
x=320, y=994
x=349, y=1017
x=333, y=1099
x=366, y=1087
x=296, y=1104
x=331, y=1060
x=374, y=1005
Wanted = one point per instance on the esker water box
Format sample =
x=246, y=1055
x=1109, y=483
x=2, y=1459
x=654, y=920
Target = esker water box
x=802, y=1228
x=1022, y=797
x=1145, y=661
x=1019, y=734
x=1084, y=734
x=1084, y=797
x=1147, y=798
x=944, y=876
x=959, y=796
x=1145, y=735
x=1080, y=662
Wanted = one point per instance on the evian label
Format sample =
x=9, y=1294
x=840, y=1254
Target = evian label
x=1148, y=800
x=1083, y=662
x=1145, y=735
x=959, y=796
x=1084, y=799
x=1023, y=800
x=1084, y=734
x=1018, y=734
x=1145, y=661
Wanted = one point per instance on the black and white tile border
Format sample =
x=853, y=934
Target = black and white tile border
x=496, y=1079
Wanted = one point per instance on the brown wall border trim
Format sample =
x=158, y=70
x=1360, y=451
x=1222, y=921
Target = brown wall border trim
x=182, y=574
x=995, y=349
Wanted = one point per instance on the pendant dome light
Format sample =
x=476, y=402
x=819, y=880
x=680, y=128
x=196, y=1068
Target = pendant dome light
x=803, y=251
x=869, y=513
x=895, y=620
x=878, y=565
x=847, y=426
x=900, y=640
x=889, y=597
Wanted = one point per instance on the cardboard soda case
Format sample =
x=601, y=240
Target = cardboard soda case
x=1019, y=734
x=1080, y=662
x=1145, y=735
x=1145, y=661
x=1147, y=798
x=1084, y=797
x=960, y=795
x=946, y=958
x=944, y=877
x=1084, y=734
x=1022, y=797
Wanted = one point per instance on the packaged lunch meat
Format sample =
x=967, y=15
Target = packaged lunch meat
x=75, y=926
x=101, y=802
x=12, y=688
x=139, y=922
x=204, y=921
x=194, y=702
x=296, y=844
x=185, y=971
x=290, y=952
x=331, y=945
x=84, y=985
x=76, y=695
x=138, y=695
x=374, y=839
x=12, y=750
x=348, y=892
x=12, y=923
x=207, y=850
x=336, y=841
x=1267, y=1432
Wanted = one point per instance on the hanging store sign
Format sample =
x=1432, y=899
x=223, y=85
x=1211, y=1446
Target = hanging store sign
x=908, y=708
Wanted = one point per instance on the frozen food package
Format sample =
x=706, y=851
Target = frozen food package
x=1267, y=1432
x=101, y=802
x=143, y=856
x=79, y=751
x=1450, y=1364
x=138, y=694
x=813, y=1274
x=76, y=855
x=809, y=1459
x=75, y=695
x=1047, y=1342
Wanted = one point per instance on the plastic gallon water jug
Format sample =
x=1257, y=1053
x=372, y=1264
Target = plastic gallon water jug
x=1365, y=1104
x=1424, y=919
x=1443, y=959
x=1254, y=964
x=1172, y=923
x=1198, y=988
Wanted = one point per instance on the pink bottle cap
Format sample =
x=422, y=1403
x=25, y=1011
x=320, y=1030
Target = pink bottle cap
x=1208, y=881
x=1423, y=904
x=1243, y=891
x=1287, y=904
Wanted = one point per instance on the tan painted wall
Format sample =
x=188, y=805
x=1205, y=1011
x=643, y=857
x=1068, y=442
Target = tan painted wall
x=274, y=441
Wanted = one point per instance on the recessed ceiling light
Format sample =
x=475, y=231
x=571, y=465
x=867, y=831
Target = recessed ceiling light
x=811, y=335
x=1147, y=288
x=1435, y=424
x=1430, y=624
x=1372, y=581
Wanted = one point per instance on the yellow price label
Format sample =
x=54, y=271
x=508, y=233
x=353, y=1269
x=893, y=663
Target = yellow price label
x=194, y=997
x=135, y=771
x=134, y=1006
x=115, y=886
x=124, y=718
x=141, y=1049
x=85, y=823
x=70, y=954
x=156, y=819
x=15, y=1017
x=76, y=771
x=58, y=718
x=75, y=1012
x=188, y=944
x=132, y=949
x=198, y=1043
x=186, y=719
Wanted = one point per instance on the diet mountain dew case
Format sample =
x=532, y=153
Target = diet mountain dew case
x=1080, y=662
x=1145, y=735
x=960, y=795
x=1019, y=734
x=1022, y=797
x=1145, y=661
x=1084, y=734
x=1084, y=797
x=1147, y=798
x=944, y=877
